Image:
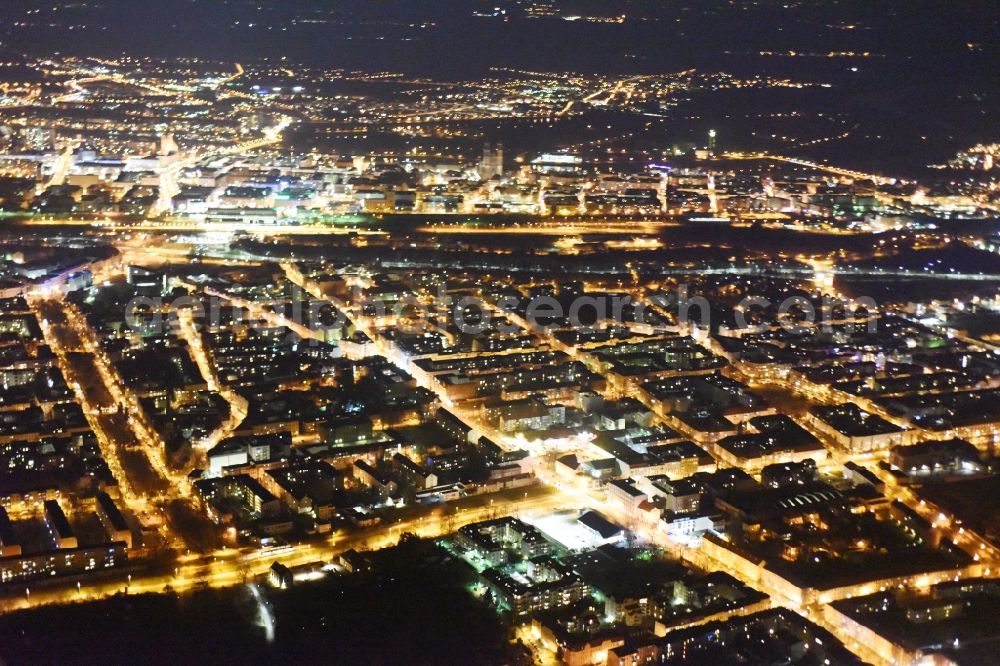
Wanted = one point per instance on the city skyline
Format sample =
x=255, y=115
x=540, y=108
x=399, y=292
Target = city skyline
x=585, y=332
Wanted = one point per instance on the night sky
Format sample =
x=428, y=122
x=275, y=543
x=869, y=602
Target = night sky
x=445, y=37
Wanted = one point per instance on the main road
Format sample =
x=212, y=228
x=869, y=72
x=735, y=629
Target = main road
x=233, y=566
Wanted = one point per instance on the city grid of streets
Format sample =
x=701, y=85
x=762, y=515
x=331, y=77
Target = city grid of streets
x=105, y=398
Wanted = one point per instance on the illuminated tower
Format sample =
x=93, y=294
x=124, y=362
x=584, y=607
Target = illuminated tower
x=492, y=162
x=711, y=142
x=167, y=145
x=663, y=188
